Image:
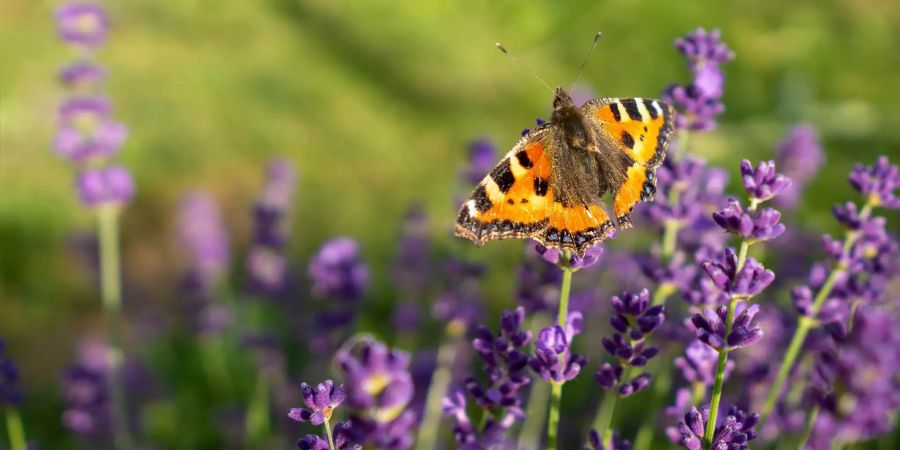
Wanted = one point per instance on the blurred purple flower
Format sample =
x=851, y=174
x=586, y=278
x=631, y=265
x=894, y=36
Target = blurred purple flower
x=700, y=101
x=698, y=365
x=553, y=359
x=461, y=297
x=82, y=74
x=878, y=182
x=482, y=157
x=267, y=265
x=202, y=233
x=710, y=327
x=538, y=283
x=84, y=142
x=111, y=185
x=338, y=272
x=733, y=433
x=82, y=23
x=84, y=111
x=10, y=394
x=799, y=155
x=341, y=432
x=87, y=406
x=411, y=270
x=320, y=402
x=763, y=183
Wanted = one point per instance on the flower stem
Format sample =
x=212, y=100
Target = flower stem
x=810, y=424
x=111, y=294
x=538, y=399
x=440, y=380
x=257, y=421
x=720, y=379
x=808, y=322
x=328, y=433
x=553, y=415
x=603, y=424
x=15, y=429
x=556, y=387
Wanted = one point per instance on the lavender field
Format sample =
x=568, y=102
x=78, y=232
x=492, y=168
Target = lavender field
x=230, y=225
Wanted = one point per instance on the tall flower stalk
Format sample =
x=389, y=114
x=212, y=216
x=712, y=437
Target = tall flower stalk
x=876, y=184
x=89, y=138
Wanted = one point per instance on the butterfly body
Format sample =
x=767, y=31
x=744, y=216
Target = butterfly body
x=550, y=186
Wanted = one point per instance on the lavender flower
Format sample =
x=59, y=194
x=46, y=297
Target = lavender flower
x=710, y=327
x=112, y=185
x=752, y=278
x=763, y=183
x=320, y=402
x=553, y=359
x=82, y=24
x=732, y=434
x=87, y=405
x=379, y=385
x=700, y=101
x=342, y=439
x=202, y=233
x=89, y=142
x=799, y=155
x=538, y=284
x=590, y=258
x=756, y=226
x=267, y=265
x=878, y=182
x=338, y=272
x=633, y=320
x=461, y=297
x=9, y=378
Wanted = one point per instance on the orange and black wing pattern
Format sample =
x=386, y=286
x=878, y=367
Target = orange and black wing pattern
x=641, y=128
x=515, y=201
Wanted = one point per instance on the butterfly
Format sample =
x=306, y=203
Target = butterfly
x=550, y=186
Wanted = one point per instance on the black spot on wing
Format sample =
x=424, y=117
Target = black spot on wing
x=632, y=109
x=627, y=139
x=502, y=175
x=524, y=160
x=540, y=186
x=482, y=202
x=650, y=109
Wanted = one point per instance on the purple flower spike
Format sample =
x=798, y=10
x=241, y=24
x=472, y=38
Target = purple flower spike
x=377, y=380
x=710, y=327
x=591, y=257
x=700, y=101
x=732, y=434
x=9, y=378
x=338, y=271
x=749, y=282
x=82, y=24
x=553, y=359
x=320, y=402
x=633, y=320
x=763, y=183
x=799, y=155
x=98, y=140
x=112, y=185
x=878, y=182
x=702, y=47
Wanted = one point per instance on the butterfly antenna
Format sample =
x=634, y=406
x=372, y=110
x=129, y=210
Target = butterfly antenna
x=523, y=66
x=586, y=59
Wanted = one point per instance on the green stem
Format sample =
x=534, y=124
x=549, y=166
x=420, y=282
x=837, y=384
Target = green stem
x=720, y=379
x=328, y=433
x=807, y=430
x=553, y=415
x=699, y=393
x=808, y=322
x=670, y=235
x=257, y=422
x=440, y=380
x=15, y=429
x=111, y=294
x=603, y=424
x=556, y=387
x=538, y=401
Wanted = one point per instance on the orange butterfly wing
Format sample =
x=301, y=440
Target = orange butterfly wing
x=641, y=128
x=515, y=200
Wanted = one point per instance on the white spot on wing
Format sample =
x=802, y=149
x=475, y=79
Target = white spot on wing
x=658, y=109
x=645, y=115
x=470, y=205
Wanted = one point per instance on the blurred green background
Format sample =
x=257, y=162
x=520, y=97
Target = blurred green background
x=375, y=103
